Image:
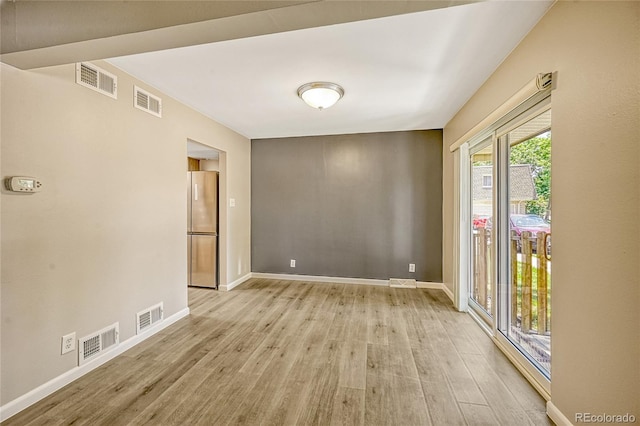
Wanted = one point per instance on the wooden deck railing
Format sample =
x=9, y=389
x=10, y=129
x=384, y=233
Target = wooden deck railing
x=522, y=278
x=482, y=268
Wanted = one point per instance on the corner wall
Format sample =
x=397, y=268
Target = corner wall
x=106, y=237
x=596, y=195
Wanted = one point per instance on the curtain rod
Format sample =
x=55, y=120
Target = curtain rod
x=540, y=83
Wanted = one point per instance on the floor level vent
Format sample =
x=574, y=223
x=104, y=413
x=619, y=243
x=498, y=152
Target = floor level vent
x=95, y=78
x=149, y=317
x=147, y=102
x=402, y=283
x=96, y=343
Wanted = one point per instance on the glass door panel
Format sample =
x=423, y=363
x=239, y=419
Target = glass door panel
x=481, y=281
x=527, y=250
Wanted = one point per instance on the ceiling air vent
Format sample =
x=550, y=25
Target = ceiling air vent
x=149, y=317
x=147, y=102
x=95, y=78
x=96, y=343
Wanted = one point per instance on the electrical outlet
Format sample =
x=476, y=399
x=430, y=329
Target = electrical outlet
x=232, y=202
x=293, y=263
x=412, y=267
x=69, y=343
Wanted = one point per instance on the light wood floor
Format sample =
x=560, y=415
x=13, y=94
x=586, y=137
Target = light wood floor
x=286, y=353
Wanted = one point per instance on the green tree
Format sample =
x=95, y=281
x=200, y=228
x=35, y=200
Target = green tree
x=537, y=153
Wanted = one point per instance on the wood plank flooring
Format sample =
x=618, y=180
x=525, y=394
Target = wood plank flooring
x=290, y=353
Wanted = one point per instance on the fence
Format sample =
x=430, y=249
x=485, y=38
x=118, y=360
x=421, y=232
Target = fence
x=526, y=267
x=525, y=280
x=482, y=267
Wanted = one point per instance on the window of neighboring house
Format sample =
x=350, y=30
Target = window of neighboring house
x=487, y=181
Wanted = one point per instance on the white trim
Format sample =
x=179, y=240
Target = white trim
x=449, y=293
x=321, y=279
x=437, y=286
x=13, y=407
x=343, y=280
x=556, y=415
x=236, y=283
x=430, y=285
x=463, y=229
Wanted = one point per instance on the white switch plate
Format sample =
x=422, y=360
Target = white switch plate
x=69, y=343
x=293, y=263
x=232, y=202
x=412, y=267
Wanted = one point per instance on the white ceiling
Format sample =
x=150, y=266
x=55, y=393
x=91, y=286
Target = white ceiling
x=404, y=72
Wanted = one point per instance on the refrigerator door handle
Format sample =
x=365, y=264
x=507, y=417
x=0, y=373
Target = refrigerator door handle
x=195, y=190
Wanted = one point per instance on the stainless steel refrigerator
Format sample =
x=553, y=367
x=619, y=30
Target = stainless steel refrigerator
x=202, y=229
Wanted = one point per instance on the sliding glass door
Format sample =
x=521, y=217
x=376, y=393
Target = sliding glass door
x=526, y=249
x=481, y=283
x=508, y=235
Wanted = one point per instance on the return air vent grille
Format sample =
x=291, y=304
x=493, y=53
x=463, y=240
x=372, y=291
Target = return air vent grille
x=149, y=317
x=94, y=344
x=91, y=346
x=402, y=283
x=95, y=78
x=147, y=102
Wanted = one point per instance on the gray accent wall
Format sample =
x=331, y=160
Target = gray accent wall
x=358, y=206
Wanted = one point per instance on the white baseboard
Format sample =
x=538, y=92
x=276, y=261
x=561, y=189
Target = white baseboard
x=236, y=283
x=556, y=415
x=343, y=280
x=449, y=293
x=430, y=285
x=320, y=279
x=436, y=286
x=13, y=407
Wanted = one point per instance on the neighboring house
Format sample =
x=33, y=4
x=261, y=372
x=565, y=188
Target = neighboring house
x=521, y=189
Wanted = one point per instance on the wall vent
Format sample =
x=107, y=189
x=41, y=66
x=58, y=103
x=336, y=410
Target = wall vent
x=96, y=343
x=402, y=283
x=149, y=317
x=95, y=78
x=147, y=102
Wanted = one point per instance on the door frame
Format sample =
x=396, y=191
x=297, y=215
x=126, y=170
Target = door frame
x=533, y=106
x=479, y=311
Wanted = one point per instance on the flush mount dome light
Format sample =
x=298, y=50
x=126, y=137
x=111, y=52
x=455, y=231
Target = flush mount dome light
x=320, y=95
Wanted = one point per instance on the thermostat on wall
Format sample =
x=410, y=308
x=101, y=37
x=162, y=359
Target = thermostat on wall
x=23, y=184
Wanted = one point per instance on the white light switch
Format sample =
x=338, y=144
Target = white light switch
x=232, y=202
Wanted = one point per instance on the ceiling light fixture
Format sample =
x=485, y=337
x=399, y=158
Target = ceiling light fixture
x=320, y=94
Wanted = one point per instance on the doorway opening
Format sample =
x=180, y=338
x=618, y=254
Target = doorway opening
x=206, y=239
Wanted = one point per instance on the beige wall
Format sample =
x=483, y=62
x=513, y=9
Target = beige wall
x=106, y=236
x=210, y=165
x=594, y=47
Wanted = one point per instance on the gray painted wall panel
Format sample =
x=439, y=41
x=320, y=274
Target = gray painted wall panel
x=361, y=206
